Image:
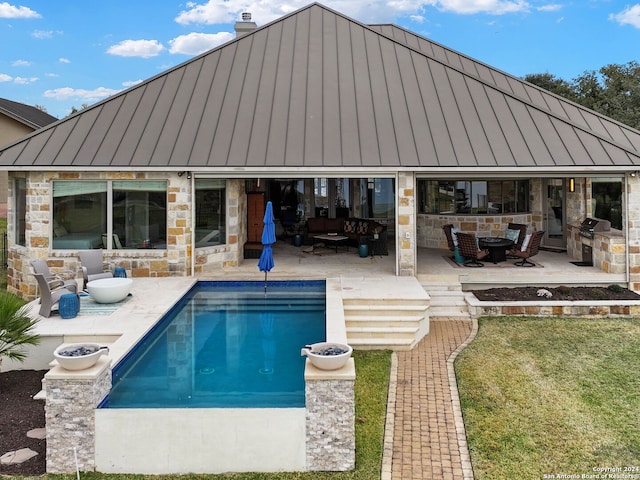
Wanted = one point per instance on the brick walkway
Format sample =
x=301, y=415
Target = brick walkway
x=428, y=441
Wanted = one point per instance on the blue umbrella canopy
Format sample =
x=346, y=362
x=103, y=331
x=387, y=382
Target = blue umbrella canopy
x=265, y=263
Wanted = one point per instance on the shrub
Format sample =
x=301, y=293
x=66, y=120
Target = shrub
x=564, y=290
x=16, y=327
x=616, y=288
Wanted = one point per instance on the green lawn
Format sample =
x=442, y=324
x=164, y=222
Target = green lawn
x=551, y=396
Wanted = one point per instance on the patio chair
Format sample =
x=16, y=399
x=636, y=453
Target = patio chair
x=522, y=229
x=531, y=247
x=52, y=279
x=448, y=233
x=49, y=297
x=93, y=266
x=468, y=247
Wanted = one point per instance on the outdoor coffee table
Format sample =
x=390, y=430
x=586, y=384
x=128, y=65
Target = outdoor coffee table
x=109, y=290
x=334, y=240
x=497, y=247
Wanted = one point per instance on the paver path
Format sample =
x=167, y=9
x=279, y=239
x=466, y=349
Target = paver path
x=426, y=444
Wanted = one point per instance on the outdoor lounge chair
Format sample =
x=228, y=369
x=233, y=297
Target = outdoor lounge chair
x=53, y=280
x=530, y=249
x=448, y=233
x=49, y=297
x=469, y=249
x=93, y=266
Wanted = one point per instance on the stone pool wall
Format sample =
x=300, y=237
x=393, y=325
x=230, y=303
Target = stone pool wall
x=71, y=401
x=330, y=414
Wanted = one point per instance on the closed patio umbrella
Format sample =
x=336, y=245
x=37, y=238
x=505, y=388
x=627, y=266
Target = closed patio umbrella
x=265, y=263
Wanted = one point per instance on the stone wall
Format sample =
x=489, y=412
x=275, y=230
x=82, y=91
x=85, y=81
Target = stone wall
x=176, y=260
x=71, y=400
x=330, y=413
x=430, y=234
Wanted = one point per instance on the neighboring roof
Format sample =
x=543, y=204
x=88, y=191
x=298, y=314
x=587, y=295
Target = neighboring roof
x=316, y=90
x=26, y=114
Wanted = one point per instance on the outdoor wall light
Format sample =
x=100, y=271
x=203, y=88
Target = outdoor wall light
x=572, y=184
x=189, y=175
x=633, y=174
x=180, y=174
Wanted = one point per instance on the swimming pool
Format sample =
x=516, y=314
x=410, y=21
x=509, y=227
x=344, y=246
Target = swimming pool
x=225, y=344
x=319, y=435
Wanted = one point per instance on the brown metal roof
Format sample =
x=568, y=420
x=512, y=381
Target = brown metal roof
x=26, y=114
x=317, y=90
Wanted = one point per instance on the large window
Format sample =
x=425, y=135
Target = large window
x=210, y=212
x=477, y=197
x=606, y=194
x=106, y=214
x=20, y=198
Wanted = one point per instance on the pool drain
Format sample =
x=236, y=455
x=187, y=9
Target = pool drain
x=266, y=371
x=207, y=370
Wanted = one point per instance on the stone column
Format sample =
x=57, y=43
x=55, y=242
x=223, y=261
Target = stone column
x=633, y=229
x=71, y=401
x=330, y=418
x=406, y=234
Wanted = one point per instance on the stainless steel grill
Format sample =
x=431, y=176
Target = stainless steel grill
x=590, y=226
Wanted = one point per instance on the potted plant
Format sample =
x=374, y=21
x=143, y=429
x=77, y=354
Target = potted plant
x=16, y=328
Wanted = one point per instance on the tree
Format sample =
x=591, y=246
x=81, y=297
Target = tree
x=16, y=327
x=551, y=83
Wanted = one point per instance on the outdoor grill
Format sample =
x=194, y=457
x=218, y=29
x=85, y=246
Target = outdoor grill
x=590, y=226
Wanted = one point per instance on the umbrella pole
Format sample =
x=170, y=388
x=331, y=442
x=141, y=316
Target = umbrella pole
x=265, y=282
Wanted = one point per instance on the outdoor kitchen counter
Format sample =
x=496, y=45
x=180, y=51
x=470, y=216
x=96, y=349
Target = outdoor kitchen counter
x=609, y=248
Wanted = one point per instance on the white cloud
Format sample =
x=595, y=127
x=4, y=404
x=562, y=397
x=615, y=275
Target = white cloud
x=51, y=75
x=629, y=16
x=64, y=60
x=21, y=63
x=131, y=83
x=211, y=12
x=196, y=43
x=42, y=34
x=136, y=48
x=17, y=80
x=11, y=11
x=552, y=7
x=25, y=80
x=491, y=7
x=68, y=93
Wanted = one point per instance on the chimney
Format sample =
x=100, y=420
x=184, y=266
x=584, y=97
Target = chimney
x=245, y=26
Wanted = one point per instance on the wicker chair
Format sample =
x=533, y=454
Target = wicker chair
x=447, y=233
x=532, y=249
x=522, y=228
x=469, y=249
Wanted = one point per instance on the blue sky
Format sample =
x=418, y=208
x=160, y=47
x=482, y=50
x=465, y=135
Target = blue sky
x=61, y=54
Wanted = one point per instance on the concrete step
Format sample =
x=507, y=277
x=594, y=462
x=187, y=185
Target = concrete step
x=398, y=344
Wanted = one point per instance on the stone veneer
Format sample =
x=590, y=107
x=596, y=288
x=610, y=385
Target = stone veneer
x=330, y=416
x=71, y=400
x=176, y=260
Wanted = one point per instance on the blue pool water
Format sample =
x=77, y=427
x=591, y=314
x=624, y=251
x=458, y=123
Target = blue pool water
x=225, y=344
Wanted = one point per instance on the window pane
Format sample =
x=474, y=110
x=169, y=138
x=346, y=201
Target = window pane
x=210, y=213
x=79, y=214
x=20, y=193
x=383, y=198
x=606, y=200
x=473, y=197
x=139, y=214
